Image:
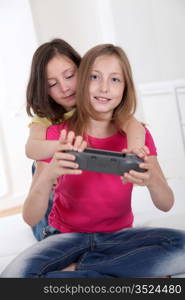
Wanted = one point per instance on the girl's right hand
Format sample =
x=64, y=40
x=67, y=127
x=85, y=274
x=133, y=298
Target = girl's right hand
x=63, y=163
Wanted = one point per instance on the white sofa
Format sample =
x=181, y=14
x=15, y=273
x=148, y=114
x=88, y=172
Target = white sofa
x=15, y=235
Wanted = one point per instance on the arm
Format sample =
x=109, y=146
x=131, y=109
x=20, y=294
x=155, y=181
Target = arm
x=62, y=163
x=36, y=146
x=36, y=203
x=161, y=194
x=135, y=132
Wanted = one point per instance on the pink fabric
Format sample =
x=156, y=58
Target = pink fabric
x=93, y=202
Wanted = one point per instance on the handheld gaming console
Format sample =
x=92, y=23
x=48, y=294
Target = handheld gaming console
x=103, y=161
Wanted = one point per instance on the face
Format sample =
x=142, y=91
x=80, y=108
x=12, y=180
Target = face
x=106, y=84
x=62, y=80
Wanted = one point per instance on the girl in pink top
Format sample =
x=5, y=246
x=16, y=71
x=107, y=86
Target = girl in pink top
x=92, y=212
x=78, y=197
x=51, y=96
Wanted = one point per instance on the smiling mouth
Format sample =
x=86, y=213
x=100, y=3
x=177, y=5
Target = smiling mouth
x=102, y=99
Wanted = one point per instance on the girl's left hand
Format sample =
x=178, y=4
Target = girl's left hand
x=141, y=151
x=142, y=179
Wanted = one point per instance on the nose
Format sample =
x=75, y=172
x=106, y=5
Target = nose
x=104, y=86
x=64, y=86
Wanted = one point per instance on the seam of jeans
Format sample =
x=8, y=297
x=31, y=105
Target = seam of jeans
x=168, y=239
x=118, y=257
x=112, y=242
x=59, y=259
x=134, y=232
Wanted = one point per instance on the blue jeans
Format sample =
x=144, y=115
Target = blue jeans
x=132, y=252
x=42, y=230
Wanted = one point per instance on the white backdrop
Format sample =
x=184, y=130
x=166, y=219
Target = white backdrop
x=151, y=32
x=18, y=41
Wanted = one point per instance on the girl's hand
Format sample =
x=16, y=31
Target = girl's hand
x=63, y=163
x=68, y=141
x=139, y=151
x=142, y=179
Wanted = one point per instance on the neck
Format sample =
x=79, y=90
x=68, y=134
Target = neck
x=100, y=129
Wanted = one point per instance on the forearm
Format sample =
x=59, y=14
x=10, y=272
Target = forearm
x=161, y=194
x=36, y=203
x=135, y=132
x=38, y=149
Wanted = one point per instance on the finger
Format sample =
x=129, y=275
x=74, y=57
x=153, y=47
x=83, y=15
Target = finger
x=82, y=146
x=73, y=172
x=138, y=175
x=68, y=171
x=63, y=136
x=64, y=155
x=123, y=179
x=68, y=164
x=70, y=137
x=145, y=166
x=64, y=147
x=142, y=152
x=78, y=141
x=139, y=152
x=132, y=179
x=146, y=159
x=146, y=149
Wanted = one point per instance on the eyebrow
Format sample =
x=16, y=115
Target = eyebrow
x=116, y=73
x=69, y=69
x=51, y=79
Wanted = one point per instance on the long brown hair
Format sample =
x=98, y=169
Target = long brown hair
x=38, y=100
x=84, y=110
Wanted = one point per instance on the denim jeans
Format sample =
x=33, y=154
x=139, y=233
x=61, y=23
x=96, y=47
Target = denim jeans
x=131, y=252
x=42, y=230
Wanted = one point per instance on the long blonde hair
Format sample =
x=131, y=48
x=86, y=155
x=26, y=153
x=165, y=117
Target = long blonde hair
x=84, y=110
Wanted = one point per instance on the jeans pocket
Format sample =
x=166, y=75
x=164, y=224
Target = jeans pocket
x=49, y=230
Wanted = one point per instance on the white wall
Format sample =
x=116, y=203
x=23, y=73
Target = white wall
x=162, y=105
x=151, y=32
x=18, y=41
x=75, y=21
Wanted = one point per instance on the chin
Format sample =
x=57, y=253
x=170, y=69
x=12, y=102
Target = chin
x=101, y=110
x=70, y=105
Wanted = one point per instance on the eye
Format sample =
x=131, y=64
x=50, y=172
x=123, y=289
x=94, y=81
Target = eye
x=94, y=77
x=115, y=79
x=50, y=85
x=69, y=76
